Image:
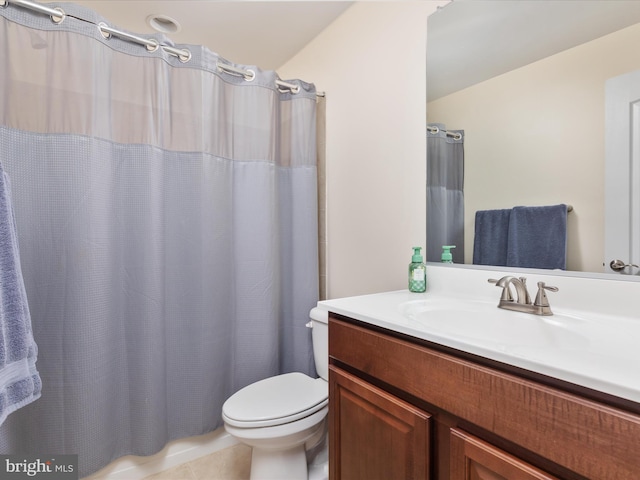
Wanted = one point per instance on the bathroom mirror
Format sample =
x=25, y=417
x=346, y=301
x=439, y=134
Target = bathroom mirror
x=525, y=80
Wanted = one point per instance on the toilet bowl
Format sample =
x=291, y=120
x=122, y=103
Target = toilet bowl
x=282, y=417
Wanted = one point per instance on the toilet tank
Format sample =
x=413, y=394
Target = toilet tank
x=320, y=334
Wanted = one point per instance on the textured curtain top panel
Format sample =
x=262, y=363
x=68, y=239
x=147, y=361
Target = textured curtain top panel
x=151, y=95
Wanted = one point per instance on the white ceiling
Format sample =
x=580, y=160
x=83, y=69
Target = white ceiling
x=469, y=41
x=262, y=33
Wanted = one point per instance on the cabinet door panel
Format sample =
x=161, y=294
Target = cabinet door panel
x=474, y=459
x=374, y=435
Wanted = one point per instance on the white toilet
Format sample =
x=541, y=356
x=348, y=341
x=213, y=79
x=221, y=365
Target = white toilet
x=282, y=417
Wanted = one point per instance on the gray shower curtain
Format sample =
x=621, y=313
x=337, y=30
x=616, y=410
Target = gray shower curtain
x=445, y=193
x=167, y=220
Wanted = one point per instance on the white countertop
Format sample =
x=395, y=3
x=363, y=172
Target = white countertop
x=592, y=348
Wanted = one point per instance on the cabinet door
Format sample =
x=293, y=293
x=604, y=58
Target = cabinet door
x=474, y=459
x=373, y=434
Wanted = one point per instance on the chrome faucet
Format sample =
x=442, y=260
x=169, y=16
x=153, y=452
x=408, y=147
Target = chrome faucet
x=523, y=303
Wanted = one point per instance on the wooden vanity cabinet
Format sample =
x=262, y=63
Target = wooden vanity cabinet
x=380, y=437
x=402, y=408
x=474, y=459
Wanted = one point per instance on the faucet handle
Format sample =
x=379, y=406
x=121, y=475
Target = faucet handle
x=541, y=297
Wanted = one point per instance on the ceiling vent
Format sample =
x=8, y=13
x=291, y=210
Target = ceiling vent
x=163, y=24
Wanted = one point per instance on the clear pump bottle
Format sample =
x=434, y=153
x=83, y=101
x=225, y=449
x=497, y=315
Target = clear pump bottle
x=417, y=272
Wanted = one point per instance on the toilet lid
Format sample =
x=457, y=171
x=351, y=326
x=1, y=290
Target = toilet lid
x=276, y=400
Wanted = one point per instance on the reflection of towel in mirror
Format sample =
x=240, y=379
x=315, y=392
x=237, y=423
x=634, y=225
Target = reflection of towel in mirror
x=490, y=239
x=538, y=237
x=19, y=380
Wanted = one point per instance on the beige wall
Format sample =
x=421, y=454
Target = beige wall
x=535, y=136
x=371, y=63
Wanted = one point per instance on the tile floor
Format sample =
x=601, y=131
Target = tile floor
x=233, y=463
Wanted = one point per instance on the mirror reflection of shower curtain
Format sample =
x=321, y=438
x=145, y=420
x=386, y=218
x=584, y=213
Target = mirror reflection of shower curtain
x=445, y=193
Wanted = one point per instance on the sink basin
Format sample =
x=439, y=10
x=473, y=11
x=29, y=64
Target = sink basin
x=506, y=330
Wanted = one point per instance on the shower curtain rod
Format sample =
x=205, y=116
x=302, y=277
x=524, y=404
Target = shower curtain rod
x=58, y=15
x=454, y=135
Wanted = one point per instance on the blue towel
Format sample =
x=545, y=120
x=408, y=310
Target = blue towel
x=490, y=239
x=20, y=382
x=538, y=237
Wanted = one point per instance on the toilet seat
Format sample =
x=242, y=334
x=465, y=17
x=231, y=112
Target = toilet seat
x=276, y=401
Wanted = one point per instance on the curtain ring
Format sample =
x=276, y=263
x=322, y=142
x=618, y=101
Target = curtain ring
x=107, y=32
x=152, y=45
x=104, y=33
x=286, y=87
x=293, y=90
x=58, y=19
x=249, y=76
x=185, y=56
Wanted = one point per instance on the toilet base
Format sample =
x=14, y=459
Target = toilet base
x=318, y=464
x=279, y=465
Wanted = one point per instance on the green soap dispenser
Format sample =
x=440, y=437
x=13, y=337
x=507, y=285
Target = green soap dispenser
x=417, y=272
x=446, y=254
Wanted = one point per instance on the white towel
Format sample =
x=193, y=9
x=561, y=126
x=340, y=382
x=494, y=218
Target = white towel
x=20, y=382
